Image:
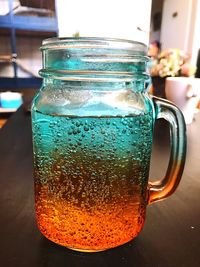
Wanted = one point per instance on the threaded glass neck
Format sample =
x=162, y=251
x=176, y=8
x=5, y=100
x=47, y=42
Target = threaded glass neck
x=96, y=59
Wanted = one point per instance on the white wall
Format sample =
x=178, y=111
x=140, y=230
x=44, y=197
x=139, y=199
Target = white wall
x=182, y=31
x=195, y=41
x=105, y=18
x=175, y=30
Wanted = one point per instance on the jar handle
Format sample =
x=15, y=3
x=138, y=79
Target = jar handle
x=165, y=187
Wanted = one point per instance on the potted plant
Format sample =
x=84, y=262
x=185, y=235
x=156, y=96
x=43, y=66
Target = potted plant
x=178, y=83
x=169, y=63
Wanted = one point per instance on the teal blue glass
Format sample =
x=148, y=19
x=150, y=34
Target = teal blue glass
x=92, y=123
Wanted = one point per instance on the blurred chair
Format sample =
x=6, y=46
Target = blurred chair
x=197, y=75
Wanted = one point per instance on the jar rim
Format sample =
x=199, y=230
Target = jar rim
x=94, y=43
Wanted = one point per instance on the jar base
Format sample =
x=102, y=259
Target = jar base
x=86, y=250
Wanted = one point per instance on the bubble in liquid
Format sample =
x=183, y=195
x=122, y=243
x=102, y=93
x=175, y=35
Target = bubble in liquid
x=70, y=132
x=103, y=131
x=83, y=195
x=75, y=131
x=86, y=128
x=78, y=123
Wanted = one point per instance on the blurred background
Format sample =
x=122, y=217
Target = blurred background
x=169, y=28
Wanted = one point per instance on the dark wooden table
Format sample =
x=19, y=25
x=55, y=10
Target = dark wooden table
x=170, y=238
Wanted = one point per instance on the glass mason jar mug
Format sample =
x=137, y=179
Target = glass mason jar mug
x=92, y=124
